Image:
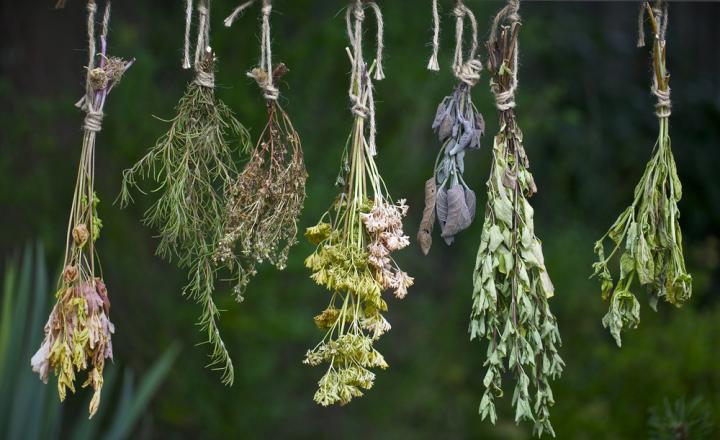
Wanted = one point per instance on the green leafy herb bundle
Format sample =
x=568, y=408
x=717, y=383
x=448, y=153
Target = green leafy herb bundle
x=647, y=235
x=193, y=167
x=355, y=240
x=264, y=203
x=78, y=333
x=511, y=285
x=459, y=126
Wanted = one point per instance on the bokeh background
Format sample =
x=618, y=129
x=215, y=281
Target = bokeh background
x=586, y=111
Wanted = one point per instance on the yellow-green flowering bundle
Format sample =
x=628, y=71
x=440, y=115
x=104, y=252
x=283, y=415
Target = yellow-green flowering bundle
x=355, y=241
x=647, y=234
x=511, y=286
x=78, y=333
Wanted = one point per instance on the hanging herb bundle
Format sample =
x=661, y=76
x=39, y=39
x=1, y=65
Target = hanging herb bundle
x=355, y=240
x=511, y=285
x=459, y=126
x=264, y=203
x=647, y=234
x=78, y=333
x=193, y=166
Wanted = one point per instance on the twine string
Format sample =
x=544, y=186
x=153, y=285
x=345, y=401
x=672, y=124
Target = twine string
x=505, y=97
x=433, y=63
x=663, y=104
x=204, y=73
x=466, y=71
x=263, y=74
x=361, y=87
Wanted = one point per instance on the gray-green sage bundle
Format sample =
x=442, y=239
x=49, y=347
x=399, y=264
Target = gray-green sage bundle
x=355, y=240
x=511, y=285
x=647, y=235
x=192, y=167
x=459, y=126
x=78, y=333
x=264, y=203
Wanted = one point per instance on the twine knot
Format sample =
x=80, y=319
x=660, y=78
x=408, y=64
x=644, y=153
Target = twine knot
x=504, y=99
x=663, y=107
x=93, y=120
x=469, y=72
x=358, y=12
x=202, y=10
x=270, y=92
x=205, y=79
x=267, y=9
x=359, y=109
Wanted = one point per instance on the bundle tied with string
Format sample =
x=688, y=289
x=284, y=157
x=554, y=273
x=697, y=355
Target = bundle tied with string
x=78, y=333
x=192, y=166
x=355, y=240
x=264, y=203
x=510, y=308
x=646, y=236
x=459, y=126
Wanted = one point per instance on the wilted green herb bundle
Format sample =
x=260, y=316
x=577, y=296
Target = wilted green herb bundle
x=459, y=126
x=264, y=203
x=193, y=166
x=511, y=285
x=647, y=234
x=78, y=333
x=355, y=240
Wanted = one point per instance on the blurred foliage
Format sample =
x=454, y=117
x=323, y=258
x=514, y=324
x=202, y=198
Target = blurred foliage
x=586, y=111
x=31, y=410
x=680, y=421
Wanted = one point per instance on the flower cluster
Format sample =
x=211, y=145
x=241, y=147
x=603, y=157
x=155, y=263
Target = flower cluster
x=77, y=333
x=384, y=226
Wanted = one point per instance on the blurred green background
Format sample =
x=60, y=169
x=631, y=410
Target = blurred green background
x=586, y=111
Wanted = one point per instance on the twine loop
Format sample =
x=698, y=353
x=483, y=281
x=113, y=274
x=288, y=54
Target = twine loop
x=205, y=79
x=663, y=106
x=262, y=74
x=468, y=71
x=93, y=120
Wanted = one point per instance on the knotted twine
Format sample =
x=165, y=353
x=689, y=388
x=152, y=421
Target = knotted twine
x=659, y=16
x=263, y=74
x=204, y=75
x=361, y=88
x=505, y=98
x=466, y=71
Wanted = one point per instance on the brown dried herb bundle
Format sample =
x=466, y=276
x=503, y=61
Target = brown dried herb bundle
x=78, y=333
x=193, y=166
x=459, y=126
x=264, y=203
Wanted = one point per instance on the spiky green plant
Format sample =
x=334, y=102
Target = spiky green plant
x=193, y=166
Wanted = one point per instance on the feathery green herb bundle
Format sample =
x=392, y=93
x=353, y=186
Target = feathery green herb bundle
x=193, y=167
x=459, y=126
x=78, y=333
x=511, y=285
x=647, y=234
x=355, y=240
x=264, y=203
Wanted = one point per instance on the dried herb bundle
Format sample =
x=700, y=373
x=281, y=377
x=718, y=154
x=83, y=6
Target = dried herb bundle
x=648, y=232
x=193, y=166
x=511, y=285
x=459, y=126
x=355, y=240
x=264, y=203
x=78, y=333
